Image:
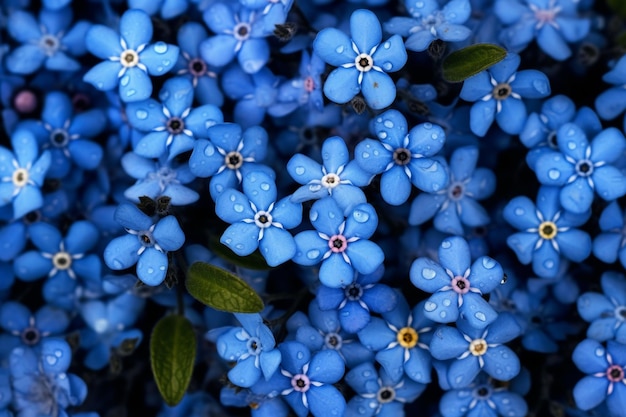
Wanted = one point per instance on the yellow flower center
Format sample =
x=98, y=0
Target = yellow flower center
x=478, y=347
x=407, y=337
x=547, y=230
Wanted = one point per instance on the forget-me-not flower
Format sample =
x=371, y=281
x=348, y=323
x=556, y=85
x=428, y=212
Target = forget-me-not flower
x=129, y=57
x=610, y=244
x=362, y=61
x=605, y=312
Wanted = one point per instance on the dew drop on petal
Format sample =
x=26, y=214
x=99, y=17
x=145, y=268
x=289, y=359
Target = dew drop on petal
x=52, y=360
x=387, y=66
x=549, y=264
x=388, y=124
x=300, y=170
x=160, y=47
x=446, y=244
x=430, y=306
x=382, y=135
x=360, y=216
x=131, y=92
x=265, y=186
x=125, y=80
x=519, y=211
x=339, y=49
x=239, y=246
x=554, y=174
x=331, y=214
x=141, y=114
x=488, y=263
x=446, y=302
x=150, y=270
x=313, y=254
x=232, y=197
x=299, y=355
x=599, y=352
x=365, y=155
x=238, y=208
x=313, y=215
x=428, y=273
x=480, y=316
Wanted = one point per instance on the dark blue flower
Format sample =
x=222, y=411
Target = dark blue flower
x=498, y=93
x=553, y=23
x=240, y=32
x=50, y=42
x=130, y=58
x=606, y=312
x=610, y=244
x=68, y=135
x=172, y=126
x=307, y=88
x=363, y=61
x=339, y=242
x=230, y=154
x=354, y=302
x=430, y=21
x=146, y=244
x=377, y=394
x=258, y=220
x=337, y=176
x=456, y=205
x=403, y=157
x=252, y=347
x=40, y=381
x=605, y=369
x=471, y=350
x=457, y=284
x=546, y=232
x=22, y=173
x=581, y=167
x=400, y=340
x=305, y=380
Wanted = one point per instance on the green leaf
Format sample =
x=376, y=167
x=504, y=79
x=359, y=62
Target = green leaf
x=464, y=63
x=221, y=290
x=253, y=261
x=172, y=355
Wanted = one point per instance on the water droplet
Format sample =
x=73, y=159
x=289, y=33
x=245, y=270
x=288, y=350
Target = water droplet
x=125, y=80
x=150, y=270
x=51, y=359
x=131, y=92
x=232, y=197
x=549, y=264
x=480, y=316
x=599, y=352
x=239, y=246
x=387, y=45
x=166, y=62
x=117, y=264
x=265, y=186
x=365, y=155
x=141, y=114
x=382, y=135
x=238, y=208
x=360, y=216
x=300, y=170
x=388, y=124
x=339, y=49
x=446, y=302
x=313, y=215
x=160, y=47
x=519, y=211
x=488, y=263
x=299, y=355
x=443, y=314
x=430, y=306
x=313, y=254
x=331, y=214
x=366, y=374
x=428, y=273
x=446, y=244
x=554, y=174
x=387, y=66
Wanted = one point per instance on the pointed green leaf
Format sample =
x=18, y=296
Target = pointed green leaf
x=464, y=63
x=221, y=290
x=253, y=261
x=172, y=355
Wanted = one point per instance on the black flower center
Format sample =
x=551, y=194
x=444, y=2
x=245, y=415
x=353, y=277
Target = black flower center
x=401, y=156
x=197, y=67
x=354, y=292
x=456, y=191
x=502, y=91
x=242, y=31
x=59, y=138
x=233, y=160
x=584, y=168
x=175, y=125
x=30, y=336
x=385, y=395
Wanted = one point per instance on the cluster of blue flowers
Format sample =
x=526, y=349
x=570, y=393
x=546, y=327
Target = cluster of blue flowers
x=413, y=256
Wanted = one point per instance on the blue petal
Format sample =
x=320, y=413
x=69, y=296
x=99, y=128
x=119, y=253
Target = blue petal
x=609, y=104
x=501, y=362
x=442, y=307
x=361, y=222
x=428, y=275
x=419, y=41
x=391, y=55
x=347, y=197
x=454, y=254
x=428, y=174
x=270, y=361
x=609, y=181
x=233, y=206
x=552, y=43
x=260, y=189
x=168, y=234
x=590, y=357
x=365, y=30
x=531, y=84
x=486, y=274
x=342, y=85
x=476, y=311
x=25, y=59
x=253, y=55
x=201, y=118
x=482, y=115
x=463, y=162
x=607, y=145
x=103, y=76
x=81, y=237
x=103, y=42
x=153, y=144
x=590, y=391
x=326, y=400
x=472, y=213
x=135, y=28
x=287, y=213
x=523, y=244
x=546, y=261
x=61, y=62
x=371, y=156
x=135, y=85
x=424, y=207
x=146, y=115
x=453, y=33
x=85, y=154
x=503, y=70
x=365, y=256
x=418, y=367
x=335, y=272
x=121, y=252
x=277, y=246
x=56, y=356
x=23, y=27
x=28, y=199
x=334, y=47
x=476, y=87
x=14, y=316
x=189, y=37
x=574, y=244
x=152, y=267
x=219, y=18
x=577, y=196
x=241, y=238
x=572, y=141
x=205, y=160
x=326, y=366
x=159, y=58
x=606, y=246
x=353, y=317
x=326, y=216
x=245, y=373
x=395, y=186
x=376, y=335
x=462, y=372
x=391, y=128
x=218, y=50
x=520, y=212
x=130, y=217
x=88, y=123
x=392, y=361
x=378, y=89
x=512, y=117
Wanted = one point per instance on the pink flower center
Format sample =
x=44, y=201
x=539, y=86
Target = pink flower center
x=300, y=382
x=337, y=243
x=460, y=285
x=309, y=84
x=615, y=373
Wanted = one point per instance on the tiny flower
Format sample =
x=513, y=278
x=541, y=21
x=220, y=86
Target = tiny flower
x=606, y=312
x=610, y=244
x=146, y=244
x=363, y=61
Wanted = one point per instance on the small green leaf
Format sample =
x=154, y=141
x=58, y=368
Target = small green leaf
x=464, y=63
x=172, y=354
x=253, y=261
x=221, y=290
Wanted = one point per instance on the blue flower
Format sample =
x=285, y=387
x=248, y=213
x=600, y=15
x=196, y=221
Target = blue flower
x=379, y=393
x=240, y=32
x=22, y=173
x=306, y=88
x=429, y=22
x=340, y=243
x=554, y=24
x=40, y=381
x=130, y=59
x=400, y=340
x=192, y=66
x=456, y=205
x=546, y=232
x=403, y=157
x=258, y=220
x=612, y=102
x=337, y=176
x=457, y=284
x=252, y=347
x=610, y=245
x=147, y=244
x=305, y=381
x=472, y=350
x=606, y=312
x=362, y=61
x=483, y=397
x=605, y=369
x=580, y=167
x=498, y=93
x=67, y=135
x=167, y=9
x=230, y=154
x=172, y=126
x=49, y=42
x=322, y=330
x=354, y=302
